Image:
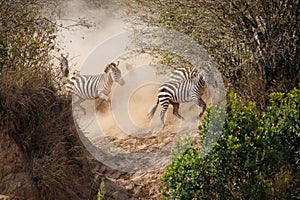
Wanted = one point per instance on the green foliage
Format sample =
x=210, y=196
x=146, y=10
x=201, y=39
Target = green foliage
x=256, y=156
x=182, y=146
x=101, y=190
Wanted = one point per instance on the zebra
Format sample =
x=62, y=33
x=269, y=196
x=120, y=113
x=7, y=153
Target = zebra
x=183, y=73
x=176, y=92
x=93, y=86
x=64, y=65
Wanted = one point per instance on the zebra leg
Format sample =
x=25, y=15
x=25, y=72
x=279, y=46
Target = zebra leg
x=100, y=101
x=102, y=97
x=175, y=110
x=163, y=112
x=202, y=104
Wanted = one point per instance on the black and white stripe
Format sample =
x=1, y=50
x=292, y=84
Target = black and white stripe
x=183, y=73
x=64, y=65
x=176, y=92
x=93, y=86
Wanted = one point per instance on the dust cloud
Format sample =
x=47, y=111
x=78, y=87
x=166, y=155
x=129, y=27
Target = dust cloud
x=79, y=41
x=123, y=125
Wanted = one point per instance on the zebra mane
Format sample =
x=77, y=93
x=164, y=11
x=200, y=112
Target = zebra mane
x=183, y=73
x=107, y=68
x=111, y=65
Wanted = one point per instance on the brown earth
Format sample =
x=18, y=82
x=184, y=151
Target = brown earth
x=147, y=137
x=42, y=157
x=66, y=170
x=55, y=165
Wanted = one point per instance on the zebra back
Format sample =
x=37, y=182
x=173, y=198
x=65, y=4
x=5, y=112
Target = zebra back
x=183, y=73
x=86, y=86
x=90, y=86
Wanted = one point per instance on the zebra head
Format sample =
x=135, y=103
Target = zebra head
x=114, y=72
x=64, y=65
x=209, y=77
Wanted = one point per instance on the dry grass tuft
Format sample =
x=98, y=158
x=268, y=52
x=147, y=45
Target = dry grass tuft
x=40, y=122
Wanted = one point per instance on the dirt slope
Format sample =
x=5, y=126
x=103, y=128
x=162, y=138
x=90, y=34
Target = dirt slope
x=104, y=130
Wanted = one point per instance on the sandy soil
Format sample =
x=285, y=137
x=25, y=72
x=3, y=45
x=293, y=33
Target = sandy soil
x=118, y=134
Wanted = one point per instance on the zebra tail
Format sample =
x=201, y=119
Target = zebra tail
x=151, y=113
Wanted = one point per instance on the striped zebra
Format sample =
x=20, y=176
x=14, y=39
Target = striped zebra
x=183, y=73
x=64, y=65
x=93, y=86
x=176, y=92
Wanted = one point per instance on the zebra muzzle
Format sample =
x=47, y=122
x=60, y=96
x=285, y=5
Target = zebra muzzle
x=121, y=81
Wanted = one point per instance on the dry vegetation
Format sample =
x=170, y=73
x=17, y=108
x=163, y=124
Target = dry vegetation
x=41, y=154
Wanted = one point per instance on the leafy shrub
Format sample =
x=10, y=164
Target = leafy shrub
x=256, y=156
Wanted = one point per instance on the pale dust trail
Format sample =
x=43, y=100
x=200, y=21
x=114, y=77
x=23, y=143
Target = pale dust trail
x=98, y=125
x=139, y=104
x=80, y=41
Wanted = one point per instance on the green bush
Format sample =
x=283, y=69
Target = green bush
x=256, y=156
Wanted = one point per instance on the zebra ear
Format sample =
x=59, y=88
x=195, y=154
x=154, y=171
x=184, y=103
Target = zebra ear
x=118, y=62
x=114, y=64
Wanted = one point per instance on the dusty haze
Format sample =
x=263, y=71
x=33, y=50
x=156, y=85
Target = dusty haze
x=106, y=129
x=80, y=41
